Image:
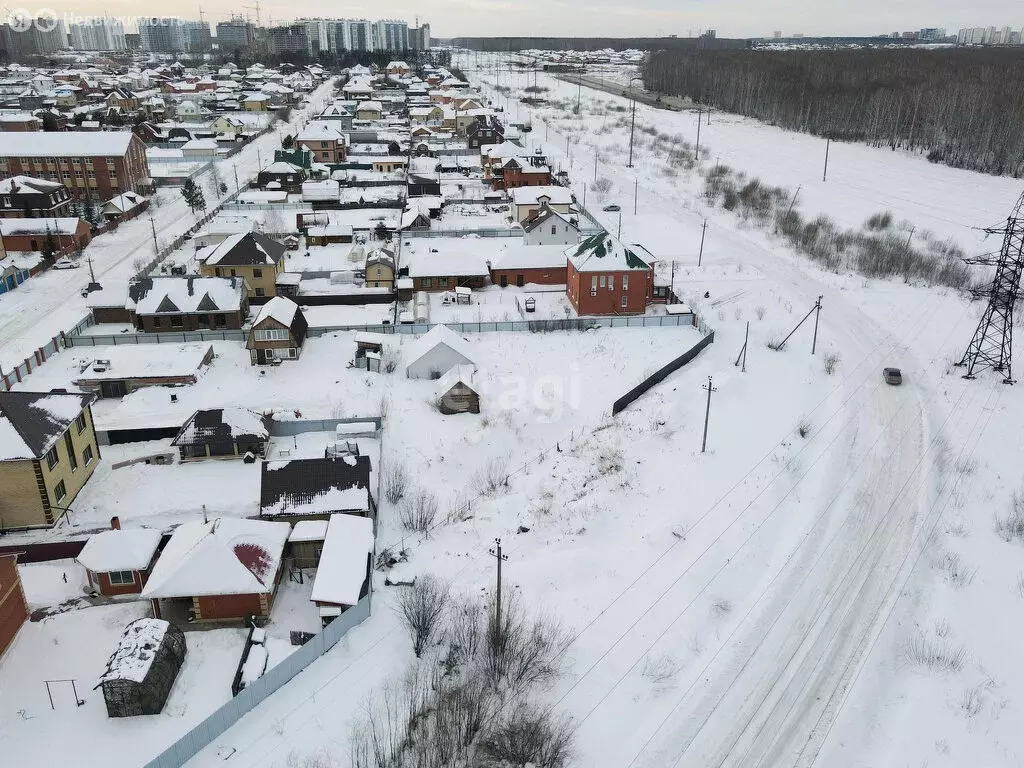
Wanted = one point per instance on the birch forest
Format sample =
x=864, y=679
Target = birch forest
x=962, y=107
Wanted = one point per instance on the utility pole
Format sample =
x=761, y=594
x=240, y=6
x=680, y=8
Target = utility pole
x=495, y=552
x=595, y=163
x=707, y=414
x=828, y=143
x=579, y=90
x=792, y=202
x=703, y=230
x=152, y=226
x=817, y=314
x=636, y=192
x=632, y=120
x=620, y=224
x=909, y=238
x=696, y=150
x=746, y=338
x=234, y=167
x=92, y=275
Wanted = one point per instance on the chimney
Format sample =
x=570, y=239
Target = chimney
x=191, y=288
x=115, y=523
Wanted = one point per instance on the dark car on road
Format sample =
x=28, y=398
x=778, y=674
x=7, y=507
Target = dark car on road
x=892, y=376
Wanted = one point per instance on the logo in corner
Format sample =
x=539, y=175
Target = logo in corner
x=20, y=20
x=46, y=20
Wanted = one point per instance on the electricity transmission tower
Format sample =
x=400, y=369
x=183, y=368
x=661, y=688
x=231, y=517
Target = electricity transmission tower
x=992, y=344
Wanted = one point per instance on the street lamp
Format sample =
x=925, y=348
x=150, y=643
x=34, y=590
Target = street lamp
x=632, y=120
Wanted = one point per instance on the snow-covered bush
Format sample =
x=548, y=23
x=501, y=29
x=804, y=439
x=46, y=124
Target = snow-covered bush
x=418, y=511
x=935, y=655
x=395, y=481
x=422, y=607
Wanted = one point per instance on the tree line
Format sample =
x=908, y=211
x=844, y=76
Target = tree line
x=961, y=107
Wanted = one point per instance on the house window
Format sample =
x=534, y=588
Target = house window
x=272, y=334
x=292, y=353
x=80, y=422
x=593, y=283
x=624, y=299
x=554, y=229
x=52, y=458
x=442, y=282
x=121, y=577
x=425, y=282
x=602, y=281
x=625, y=282
x=611, y=282
x=72, y=459
x=87, y=455
x=176, y=322
x=260, y=292
x=216, y=271
x=221, y=320
x=157, y=322
x=257, y=273
x=233, y=273
x=60, y=491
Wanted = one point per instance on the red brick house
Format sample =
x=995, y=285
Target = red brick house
x=522, y=264
x=119, y=562
x=327, y=143
x=227, y=569
x=68, y=233
x=13, y=607
x=106, y=163
x=604, y=277
x=515, y=172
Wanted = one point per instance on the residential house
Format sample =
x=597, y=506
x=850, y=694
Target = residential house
x=526, y=201
x=179, y=304
x=480, y=134
x=65, y=234
x=315, y=489
x=380, y=268
x=283, y=175
x=430, y=116
x=48, y=451
x=253, y=256
x=435, y=353
x=19, y=122
x=388, y=163
x=124, y=207
x=148, y=132
x=369, y=110
x=441, y=265
x=26, y=197
x=123, y=99
x=546, y=226
x=345, y=567
x=106, y=163
x=13, y=605
x=518, y=264
x=200, y=149
x=188, y=111
x=229, y=124
x=458, y=391
x=255, y=102
x=399, y=68
x=327, y=142
x=224, y=570
x=515, y=173
x=223, y=433
x=129, y=367
x=277, y=333
x=604, y=277
x=119, y=561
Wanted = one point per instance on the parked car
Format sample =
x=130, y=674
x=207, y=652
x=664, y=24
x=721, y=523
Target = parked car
x=892, y=376
x=613, y=207
x=65, y=264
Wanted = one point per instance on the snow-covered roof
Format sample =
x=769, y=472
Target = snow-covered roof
x=243, y=249
x=201, y=144
x=342, y=570
x=32, y=422
x=146, y=361
x=531, y=195
x=315, y=486
x=136, y=650
x=519, y=256
x=369, y=106
x=453, y=257
x=65, y=225
x=130, y=549
x=604, y=253
x=459, y=374
x=124, y=202
x=65, y=143
x=222, y=424
x=177, y=295
x=279, y=308
x=320, y=132
x=308, y=530
x=227, y=556
x=439, y=335
x=29, y=184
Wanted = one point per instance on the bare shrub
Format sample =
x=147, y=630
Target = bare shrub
x=395, y=481
x=492, y=477
x=830, y=363
x=421, y=607
x=601, y=187
x=956, y=574
x=966, y=465
x=721, y=608
x=659, y=670
x=389, y=360
x=529, y=736
x=320, y=759
x=460, y=509
x=1020, y=583
x=935, y=655
x=774, y=344
x=418, y=511
x=610, y=459
x=760, y=312
x=1011, y=526
x=878, y=222
x=384, y=405
x=803, y=428
x=520, y=652
x=972, y=700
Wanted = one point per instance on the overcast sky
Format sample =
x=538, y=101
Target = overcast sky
x=612, y=18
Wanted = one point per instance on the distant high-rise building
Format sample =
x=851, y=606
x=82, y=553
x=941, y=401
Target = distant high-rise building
x=357, y=35
x=931, y=34
x=390, y=35
x=291, y=38
x=196, y=36
x=133, y=40
x=98, y=34
x=235, y=35
x=777, y=34
x=166, y=34
x=318, y=35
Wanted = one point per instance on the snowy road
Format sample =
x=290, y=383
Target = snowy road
x=772, y=685
x=50, y=303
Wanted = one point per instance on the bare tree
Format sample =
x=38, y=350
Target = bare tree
x=529, y=736
x=422, y=606
x=418, y=511
x=601, y=187
x=395, y=479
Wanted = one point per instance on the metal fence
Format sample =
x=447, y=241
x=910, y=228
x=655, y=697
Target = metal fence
x=663, y=373
x=301, y=427
x=189, y=745
x=11, y=377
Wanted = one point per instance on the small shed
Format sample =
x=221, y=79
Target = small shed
x=141, y=671
x=369, y=349
x=343, y=576
x=306, y=542
x=458, y=391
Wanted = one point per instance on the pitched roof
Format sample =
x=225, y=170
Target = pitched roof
x=65, y=143
x=185, y=295
x=222, y=425
x=531, y=195
x=603, y=253
x=245, y=249
x=435, y=337
x=281, y=309
x=226, y=556
x=120, y=550
x=542, y=215
x=315, y=486
x=28, y=185
x=31, y=422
